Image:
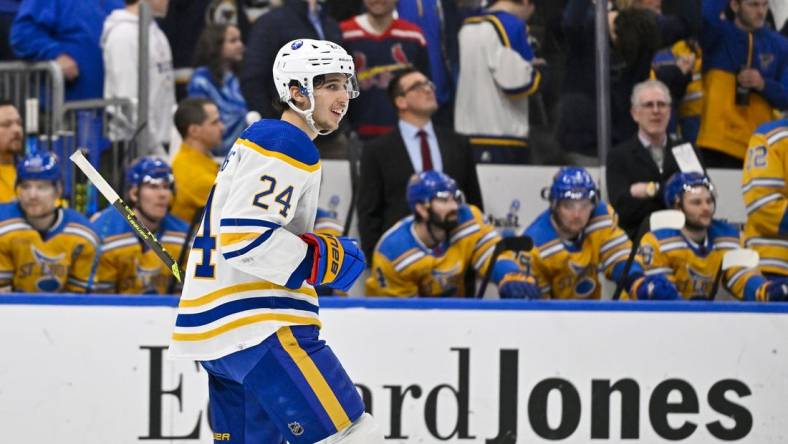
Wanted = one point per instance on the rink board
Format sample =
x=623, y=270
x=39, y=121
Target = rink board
x=94, y=370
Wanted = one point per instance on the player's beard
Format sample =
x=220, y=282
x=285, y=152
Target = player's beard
x=447, y=224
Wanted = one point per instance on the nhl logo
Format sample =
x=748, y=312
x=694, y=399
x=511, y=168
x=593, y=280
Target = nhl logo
x=295, y=428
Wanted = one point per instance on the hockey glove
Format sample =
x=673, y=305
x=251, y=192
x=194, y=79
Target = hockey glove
x=655, y=288
x=516, y=285
x=336, y=261
x=775, y=290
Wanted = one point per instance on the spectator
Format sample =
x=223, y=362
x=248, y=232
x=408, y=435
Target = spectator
x=43, y=247
x=577, y=238
x=415, y=145
x=381, y=46
x=638, y=168
x=120, y=45
x=428, y=253
x=635, y=33
x=66, y=31
x=679, y=68
x=497, y=74
x=195, y=15
x=692, y=256
x=200, y=127
x=439, y=21
x=295, y=19
x=10, y=148
x=745, y=69
x=766, y=197
x=218, y=57
x=125, y=265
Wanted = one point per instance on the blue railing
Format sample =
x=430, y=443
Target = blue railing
x=419, y=303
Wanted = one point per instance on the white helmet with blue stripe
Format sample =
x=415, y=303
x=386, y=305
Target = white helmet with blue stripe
x=303, y=60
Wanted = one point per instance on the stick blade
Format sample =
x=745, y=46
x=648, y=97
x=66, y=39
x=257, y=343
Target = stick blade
x=673, y=219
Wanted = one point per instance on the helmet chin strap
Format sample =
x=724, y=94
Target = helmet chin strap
x=307, y=115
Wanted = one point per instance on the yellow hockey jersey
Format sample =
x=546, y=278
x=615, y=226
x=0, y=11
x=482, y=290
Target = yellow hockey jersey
x=570, y=270
x=766, y=196
x=56, y=261
x=693, y=267
x=125, y=264
x=403, y=266
x=7, y=182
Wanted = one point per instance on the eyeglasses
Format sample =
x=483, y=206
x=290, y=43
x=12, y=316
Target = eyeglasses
x=420, y=86
x=655, y=104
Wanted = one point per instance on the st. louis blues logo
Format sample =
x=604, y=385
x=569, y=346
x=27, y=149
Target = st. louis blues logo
x=701, y=283
x=585, y=284
x=447, y=280
x=50, y=267
x=647, y=254
x=148, y=278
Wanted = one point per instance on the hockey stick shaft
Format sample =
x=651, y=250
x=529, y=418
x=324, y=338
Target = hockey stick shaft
x=106, y=190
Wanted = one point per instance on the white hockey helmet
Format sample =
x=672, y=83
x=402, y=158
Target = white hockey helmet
x=303, y=60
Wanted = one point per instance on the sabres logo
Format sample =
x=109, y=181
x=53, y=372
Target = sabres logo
x=296, y=428
x=297, y=44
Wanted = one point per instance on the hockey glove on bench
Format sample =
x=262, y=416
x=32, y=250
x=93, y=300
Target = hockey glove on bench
x=654, y=288
x=336, y=261
x=516, y=285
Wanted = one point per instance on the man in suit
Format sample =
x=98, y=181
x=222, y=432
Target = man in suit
x=638, y=168
x=414, y=145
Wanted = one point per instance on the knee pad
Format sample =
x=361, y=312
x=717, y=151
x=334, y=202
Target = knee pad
x=364, y=430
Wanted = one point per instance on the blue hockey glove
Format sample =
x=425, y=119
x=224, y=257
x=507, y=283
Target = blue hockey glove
x=655, y=288
x=776, y=290
x=516, y=285
x=336, y=261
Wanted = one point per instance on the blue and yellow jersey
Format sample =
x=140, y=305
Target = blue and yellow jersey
x=403, y=266
x=327, y=223
x=766, y=196
x=569, y=269
x=727, y=49
x=125, y=264
x=692, y=103
x=693, y=267
x=57, y=260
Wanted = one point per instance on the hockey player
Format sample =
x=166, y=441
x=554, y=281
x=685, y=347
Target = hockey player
x=249, y=311
x=766, y=197
x=429, y=252
x=43, y=248
x=691, y=257
x=578, y=237
x=125, y=264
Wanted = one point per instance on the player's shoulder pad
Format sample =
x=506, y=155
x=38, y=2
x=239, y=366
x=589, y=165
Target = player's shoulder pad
x=109, y=222
x=469, y=212
x=541, y=230
x=172, y=223
x=666, y=234
x=720, y=229
x=774, y=125
x=9, y=211
x=277, y=138
x=76, y=223
x=398, y=240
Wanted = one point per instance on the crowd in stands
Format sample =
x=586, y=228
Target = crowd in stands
x=445, y=86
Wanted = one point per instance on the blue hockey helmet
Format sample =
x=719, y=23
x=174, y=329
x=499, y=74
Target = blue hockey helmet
x=679, y=183
x=427, y=185
x=42, y=165
x=148, y=170
x=572, y=183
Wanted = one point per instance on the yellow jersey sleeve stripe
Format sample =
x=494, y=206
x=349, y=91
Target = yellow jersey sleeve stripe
x=283, y=157
x=228, y=239
x=240, y=288
x=242, y=322
x=314, y=378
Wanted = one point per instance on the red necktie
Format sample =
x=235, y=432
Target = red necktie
x=426, y=157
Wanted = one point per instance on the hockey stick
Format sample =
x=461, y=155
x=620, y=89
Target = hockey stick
x=658, y=220
x=106, y=190
x=742, y=257
x=516, y=244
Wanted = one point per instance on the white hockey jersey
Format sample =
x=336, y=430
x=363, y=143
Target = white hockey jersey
x=240, y=280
